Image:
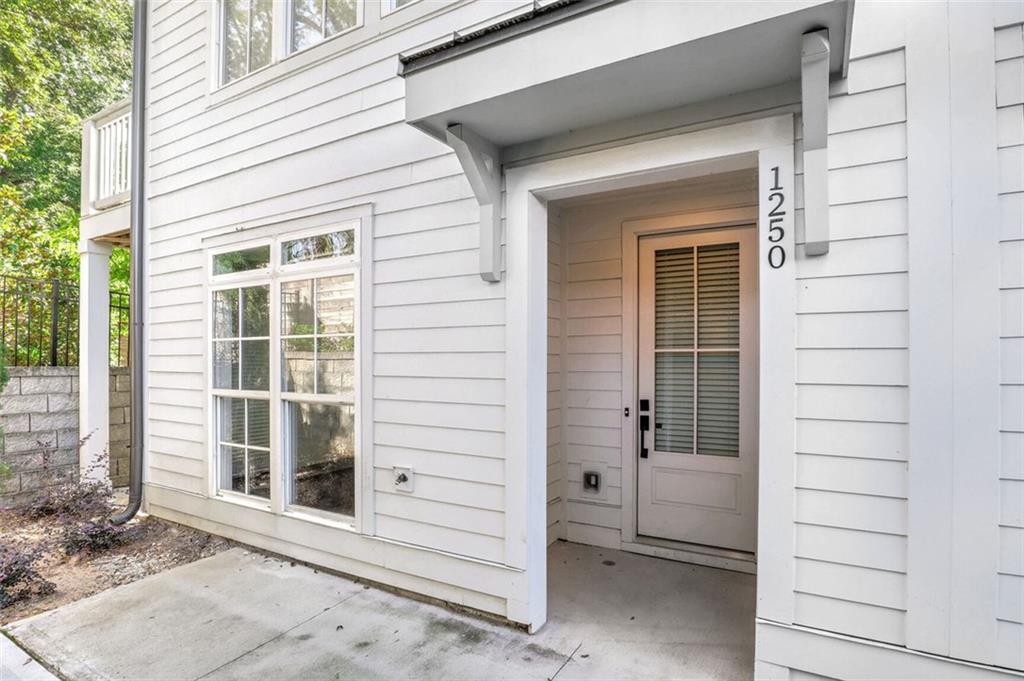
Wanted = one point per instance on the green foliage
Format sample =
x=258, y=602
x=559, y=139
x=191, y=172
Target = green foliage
x=60, y=61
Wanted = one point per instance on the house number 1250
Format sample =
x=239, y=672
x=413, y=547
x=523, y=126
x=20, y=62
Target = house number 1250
x=776, y=199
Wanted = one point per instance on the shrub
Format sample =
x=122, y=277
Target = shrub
x=74, y=500
x=19, y=577
x=94, y=536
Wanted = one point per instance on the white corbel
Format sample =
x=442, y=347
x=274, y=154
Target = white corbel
x=814, y=59
x=481, y=161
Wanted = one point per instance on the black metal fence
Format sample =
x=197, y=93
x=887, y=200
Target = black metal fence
x=39, y=323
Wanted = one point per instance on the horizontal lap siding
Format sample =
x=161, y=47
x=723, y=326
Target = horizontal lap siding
x=556, y=480
x=1009, y=68
x=593, y=376
x=852, y=370
x=329, y=134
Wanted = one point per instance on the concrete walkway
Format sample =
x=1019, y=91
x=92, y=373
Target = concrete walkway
x=242, y=615
x=17, y=665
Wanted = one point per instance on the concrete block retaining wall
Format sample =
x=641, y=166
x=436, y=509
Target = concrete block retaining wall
x=39, y=419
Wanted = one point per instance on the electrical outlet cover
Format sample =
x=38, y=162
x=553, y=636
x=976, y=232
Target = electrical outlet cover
x=403, y=478
x=601, y=469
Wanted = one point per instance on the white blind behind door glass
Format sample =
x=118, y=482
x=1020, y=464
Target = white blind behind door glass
x=696, y=384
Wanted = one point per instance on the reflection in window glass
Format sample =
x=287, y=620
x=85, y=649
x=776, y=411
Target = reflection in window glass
x=225, y=313
x=260, y=32
x=243, y=433
x=241, y=261
x=313, y=20
x=236, y=39
x=320, y=450
x=335, y=365
x=241, y=332
x=247, y=31
x=331, y=245
x=318, y=342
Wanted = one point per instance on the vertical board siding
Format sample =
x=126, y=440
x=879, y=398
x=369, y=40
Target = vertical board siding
x=329, y=134
x=852, y=370
x=1009, y=68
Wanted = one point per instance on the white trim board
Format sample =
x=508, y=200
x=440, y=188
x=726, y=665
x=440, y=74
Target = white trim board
x=783, y=648
x=765, y=143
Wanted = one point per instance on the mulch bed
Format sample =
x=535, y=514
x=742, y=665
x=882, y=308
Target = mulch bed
x=151, y=546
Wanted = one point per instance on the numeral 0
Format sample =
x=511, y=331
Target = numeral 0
x=776, y=257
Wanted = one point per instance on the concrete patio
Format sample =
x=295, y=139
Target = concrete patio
x=243, y=615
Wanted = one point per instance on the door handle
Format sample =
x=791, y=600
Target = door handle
x=645, y=425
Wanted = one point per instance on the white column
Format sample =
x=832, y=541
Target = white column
x=94, y=359
x=526, y=405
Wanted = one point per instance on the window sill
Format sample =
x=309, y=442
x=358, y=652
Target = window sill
x=254, y=503
x=331, y=520
x=330, y=48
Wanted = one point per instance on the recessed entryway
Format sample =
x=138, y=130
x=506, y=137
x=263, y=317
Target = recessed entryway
x=652, y=369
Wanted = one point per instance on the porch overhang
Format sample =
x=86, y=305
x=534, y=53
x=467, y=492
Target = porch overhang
x=569, y=64
x=563, y=65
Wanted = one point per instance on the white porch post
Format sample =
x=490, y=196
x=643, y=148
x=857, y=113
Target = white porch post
x=94, y=359
x=526, y=405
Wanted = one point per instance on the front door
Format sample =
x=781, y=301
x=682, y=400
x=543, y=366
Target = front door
x=697, y=374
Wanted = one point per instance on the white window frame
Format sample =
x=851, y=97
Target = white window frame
x=221, y=24
x=391, y=6
x=290, y=49
x=275, y=274
x=228, y=282
x=374, y=23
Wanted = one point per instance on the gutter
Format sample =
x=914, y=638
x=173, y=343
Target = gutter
x=541, y=14
x=136, y=348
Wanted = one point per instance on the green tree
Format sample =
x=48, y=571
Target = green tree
x=60, y=61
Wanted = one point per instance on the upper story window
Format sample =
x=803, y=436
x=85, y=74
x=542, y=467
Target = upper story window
x=389, y=6
x=255, y=42
x=310, y=21
x=247, y=37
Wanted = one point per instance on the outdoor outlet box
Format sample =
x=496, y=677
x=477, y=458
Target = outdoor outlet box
x=402, y=478
x=593, y=476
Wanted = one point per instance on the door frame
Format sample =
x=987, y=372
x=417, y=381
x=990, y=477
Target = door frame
x=632, y=232
x=766, y=144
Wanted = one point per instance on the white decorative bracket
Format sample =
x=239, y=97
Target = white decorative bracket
x=481, y=161
x=814, y=59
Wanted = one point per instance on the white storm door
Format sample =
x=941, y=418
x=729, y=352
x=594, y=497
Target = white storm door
x=697, y=375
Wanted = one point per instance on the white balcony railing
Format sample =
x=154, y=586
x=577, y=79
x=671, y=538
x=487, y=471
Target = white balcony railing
x=106, y=158
x=113, y=156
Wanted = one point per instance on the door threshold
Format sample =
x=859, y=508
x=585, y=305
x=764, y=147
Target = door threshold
x=697, y=554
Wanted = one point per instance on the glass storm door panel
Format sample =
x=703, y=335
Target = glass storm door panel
x=697, y=308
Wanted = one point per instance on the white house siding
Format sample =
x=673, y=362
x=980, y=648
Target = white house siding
x=851, y=430
x=331, y=134
x=556, y=481
x=1009, y=52
x=852, y=369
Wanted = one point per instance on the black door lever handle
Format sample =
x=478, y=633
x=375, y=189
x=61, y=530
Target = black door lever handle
x=645, y=425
